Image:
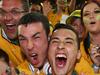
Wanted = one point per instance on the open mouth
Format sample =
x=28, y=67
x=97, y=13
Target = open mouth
x=92, y=22
x=34, y=58
x=10, y=26
x=60, y=60
x=98, y=58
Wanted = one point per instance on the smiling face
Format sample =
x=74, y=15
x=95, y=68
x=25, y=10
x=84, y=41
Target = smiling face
x=11, y=13
x=63, y=51
x=91, y=17
x=34, y=43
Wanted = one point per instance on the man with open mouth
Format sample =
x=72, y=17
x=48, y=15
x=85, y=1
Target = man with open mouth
x=63, y=50
x=10, y=13
x=33, y=31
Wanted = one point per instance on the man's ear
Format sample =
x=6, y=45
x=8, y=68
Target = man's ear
x=78, y=55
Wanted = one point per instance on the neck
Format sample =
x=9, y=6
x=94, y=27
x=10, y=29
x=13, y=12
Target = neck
x=95, y=38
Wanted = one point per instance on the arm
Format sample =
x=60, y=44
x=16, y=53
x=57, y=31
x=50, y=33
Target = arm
x=72, y=5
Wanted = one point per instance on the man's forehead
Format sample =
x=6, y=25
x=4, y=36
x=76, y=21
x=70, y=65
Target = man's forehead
x=64, y=32
x=11, y=2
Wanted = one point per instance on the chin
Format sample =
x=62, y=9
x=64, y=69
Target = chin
x=12, y=36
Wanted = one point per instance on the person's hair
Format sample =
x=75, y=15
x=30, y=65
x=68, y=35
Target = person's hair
x=25, y=5
x=4, y=56
x=87, y=39
x=69, y=27
x=34, y=17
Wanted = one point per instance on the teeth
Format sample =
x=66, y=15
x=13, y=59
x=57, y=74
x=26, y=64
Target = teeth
x=34, y=54
x=92, y=22
x=61, y=55
x=9, y=24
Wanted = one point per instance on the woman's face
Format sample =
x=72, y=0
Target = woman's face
x=91, y=17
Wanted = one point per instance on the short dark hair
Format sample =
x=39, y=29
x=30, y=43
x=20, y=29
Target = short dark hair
x=69, y=27
x=34, y=17
x=4, y=55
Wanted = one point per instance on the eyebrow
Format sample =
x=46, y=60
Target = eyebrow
x=68, y=38
x=35, y=34
x=20, y=35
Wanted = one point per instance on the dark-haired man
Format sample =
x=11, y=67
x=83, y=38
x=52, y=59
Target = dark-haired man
x=63, y=50
x=33, y=31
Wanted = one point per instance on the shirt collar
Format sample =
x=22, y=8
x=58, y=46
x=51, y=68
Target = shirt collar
x=46, y=68
x=14, y=41
x=4, y=35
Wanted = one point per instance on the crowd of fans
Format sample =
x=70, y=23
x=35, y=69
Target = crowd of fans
x=49, y=37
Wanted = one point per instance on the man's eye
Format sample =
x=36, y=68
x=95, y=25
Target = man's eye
x=37, y=37
x=2, y=12
x=68, y=42
x=16, y=12
x=54, y=41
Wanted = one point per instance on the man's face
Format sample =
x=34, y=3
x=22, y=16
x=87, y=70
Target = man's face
x=34, y=43
x=76, y=24
x=11, y=11
x=63, y=51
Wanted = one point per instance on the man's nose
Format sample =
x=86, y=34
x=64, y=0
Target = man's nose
x=61, y=45
x=30, y=45
x=92, y=15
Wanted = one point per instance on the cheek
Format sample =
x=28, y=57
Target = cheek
x=72, y=57
x=22, y=44
x=86, y=20
x=72, y=51
x=51, y=55
x=50, y=50
x=98, y=17
x=18, y=17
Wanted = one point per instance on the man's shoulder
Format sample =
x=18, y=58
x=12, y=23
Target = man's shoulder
x=84, y=67
x=24, y=67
